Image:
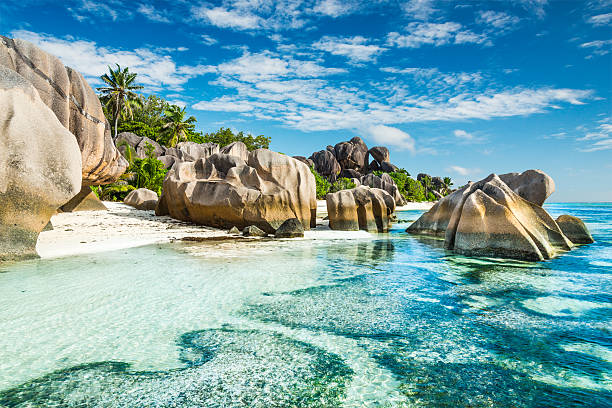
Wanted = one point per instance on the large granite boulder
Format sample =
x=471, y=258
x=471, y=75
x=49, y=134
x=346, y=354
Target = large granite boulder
x=384, y=182
x=388, y=167
x=574, y=229
x=40, y=165
x=380, y=154
x=304, y=160
x=533, y=185
x=360, y=208
x=291, y=228
x=139, y=145
x=237, y=149
x=325, y=164
x=142, y=199
x=197, y=151
x=488, y=218
x=74, y=104
x=352, y=154
x=224, y=191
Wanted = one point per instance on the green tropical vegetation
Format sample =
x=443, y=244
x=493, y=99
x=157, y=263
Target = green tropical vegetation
x=177, y=128
x=342, y=183
x=225, y=136
x=323, y=186
x=118, y=97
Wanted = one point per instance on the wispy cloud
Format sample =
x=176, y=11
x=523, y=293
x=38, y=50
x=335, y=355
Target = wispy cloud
x=155, y=69
x=419, y=9
x=600, y=19
x=462, y=134
x=598, y=47
x=598, y=139
x=463, y=171
x=152, y=13
x=498, y=19
x=225, y=18
x=208, y=40
x=357, y=49
x=333, y=8
x=436, y=34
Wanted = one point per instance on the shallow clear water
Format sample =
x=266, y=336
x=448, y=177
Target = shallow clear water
x=392, y=320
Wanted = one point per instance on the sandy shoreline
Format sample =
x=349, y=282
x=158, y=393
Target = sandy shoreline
x=123, y=227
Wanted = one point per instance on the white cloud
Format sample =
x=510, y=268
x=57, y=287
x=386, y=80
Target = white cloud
x=208, y=40
x=390, y=136
x=535, y=6
x=436, y=34
x=224, y=18
x=419, y=9
x=224, y=104
x=599, y=47
x=355, y=49
x=605, y=144
x=497, y=19
x=333, y=8
x=599, y=139
x=601, y=19
x=152, y=14
x=155, y=70
x=463, y=171
x=462, y=134
x=94, y=11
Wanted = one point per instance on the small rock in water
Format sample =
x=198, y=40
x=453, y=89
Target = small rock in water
x=574, y=229
x=234, y=230
x=253, y=231
x=292, y=228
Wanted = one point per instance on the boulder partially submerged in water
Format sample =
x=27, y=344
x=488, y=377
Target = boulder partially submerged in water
x=40, y=165
x=574, y=229
x=224, y=191
x=360, y=208
x=489, y=218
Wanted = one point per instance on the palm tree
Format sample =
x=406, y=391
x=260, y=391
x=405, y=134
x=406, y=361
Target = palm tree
x=447, y=184
x=119, y=95
x=177, y=127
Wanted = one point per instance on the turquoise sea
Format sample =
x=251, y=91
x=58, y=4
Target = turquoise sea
x=389, y=321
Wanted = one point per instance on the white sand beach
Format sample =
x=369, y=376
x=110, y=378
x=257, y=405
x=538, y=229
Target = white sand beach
x=122, y=226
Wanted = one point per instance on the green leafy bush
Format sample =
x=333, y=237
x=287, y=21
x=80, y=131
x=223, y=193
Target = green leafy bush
x=342, y=183
x=225, y=136
x=141, y=129
x=148, y=172
x=413, y=190
x=115, y=191
x=323, y=186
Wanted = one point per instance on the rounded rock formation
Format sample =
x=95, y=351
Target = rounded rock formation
x=74, y=104
x=325, y=164
x=574, y=229
x=40, y=165
x=360, y=208
x=224, y=191
x=142, y=199
x=380, y=154
x=291, y=228
x=352, y=155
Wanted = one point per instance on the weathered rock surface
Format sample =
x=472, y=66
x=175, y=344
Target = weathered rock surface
x=74, y=104
x=291, y=228
x=138, y=144
x=388, y=167
x=40, y=164
x=237, y=149
x=85, y=200
x=352, y=154
x=349, y=174
x=198, y=151
x=142, y=199
x=488, y=218
x=304, y=160
x=360, y=208
x=380, y=154
x=384, y=182
x=253, y=231
x=574, y=229
x=233, y=230
x=224, y=191
x=325, y=164
x=533, y=185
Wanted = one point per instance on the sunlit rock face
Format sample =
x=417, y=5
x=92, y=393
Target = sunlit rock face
x=360, y=208
x=74, y=104
x=224, y=191
x=40, y=166
x=384, y=182
x=490, y=218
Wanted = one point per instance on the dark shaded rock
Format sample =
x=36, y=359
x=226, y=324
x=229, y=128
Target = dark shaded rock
x=331, y=149
x=388, y=167
x=575, y=229
x=384, y=182
x=141, y=148
x=326, y=164
x=380, y=154
x=352, y=154
x=349, y=173
x=437, y=183
x=85, y=200
x=373, y=166
x=306, y=161
x=253, y=231
x=291, y=228
x=48, y=227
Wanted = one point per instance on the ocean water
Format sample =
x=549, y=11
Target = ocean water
x=389, y=320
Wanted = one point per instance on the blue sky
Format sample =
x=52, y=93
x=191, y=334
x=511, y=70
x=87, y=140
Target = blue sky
x=461, y=88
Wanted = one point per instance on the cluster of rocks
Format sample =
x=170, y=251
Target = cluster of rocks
x=349, y=159
x=502, y=216
x=54, y=143
x=360, y=208
x=184, y=151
